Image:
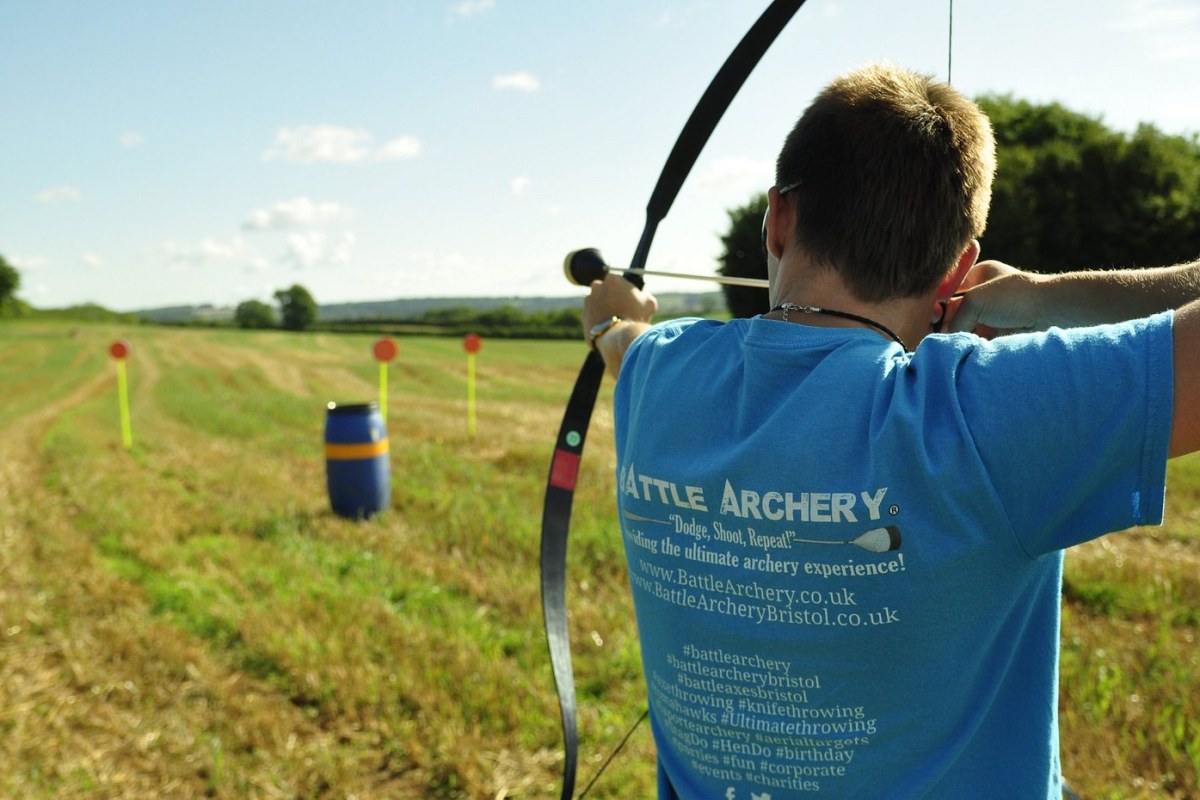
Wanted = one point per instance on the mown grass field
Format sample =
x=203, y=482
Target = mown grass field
x=187, y=619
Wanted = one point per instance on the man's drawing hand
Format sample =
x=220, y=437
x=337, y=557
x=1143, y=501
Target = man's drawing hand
x=997, y=300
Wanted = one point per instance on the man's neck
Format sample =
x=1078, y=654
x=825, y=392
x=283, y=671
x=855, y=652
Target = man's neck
x=805, y=285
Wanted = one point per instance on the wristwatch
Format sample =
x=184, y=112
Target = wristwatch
x=601, y=328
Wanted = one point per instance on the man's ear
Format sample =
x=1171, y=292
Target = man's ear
x=779, y=222
x=954, y=277
x=776, y=226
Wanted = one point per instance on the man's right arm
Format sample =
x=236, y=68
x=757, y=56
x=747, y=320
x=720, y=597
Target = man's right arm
x=1000, y=299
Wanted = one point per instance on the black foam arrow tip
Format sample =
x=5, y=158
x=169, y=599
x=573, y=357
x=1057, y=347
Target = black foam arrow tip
x=584, y=266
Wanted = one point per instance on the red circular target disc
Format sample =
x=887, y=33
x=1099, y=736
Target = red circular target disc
x=385, y=349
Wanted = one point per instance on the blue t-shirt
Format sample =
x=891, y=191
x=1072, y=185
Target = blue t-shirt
x=846, y=560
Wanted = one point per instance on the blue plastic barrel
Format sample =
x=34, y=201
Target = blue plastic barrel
x=356, y=460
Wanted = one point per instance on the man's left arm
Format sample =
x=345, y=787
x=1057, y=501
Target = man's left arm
x=1185, y=425
x=1005, y=299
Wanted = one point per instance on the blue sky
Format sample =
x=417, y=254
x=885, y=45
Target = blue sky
x=213, y=151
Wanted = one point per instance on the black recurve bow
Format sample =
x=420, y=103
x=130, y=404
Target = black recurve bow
x=564, y=465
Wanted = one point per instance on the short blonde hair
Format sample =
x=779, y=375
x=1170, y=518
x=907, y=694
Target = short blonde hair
x=891, y=173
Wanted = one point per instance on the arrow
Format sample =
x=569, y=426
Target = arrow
x=584, y=266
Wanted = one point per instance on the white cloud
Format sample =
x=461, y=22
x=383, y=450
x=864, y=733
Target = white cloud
x=520, y=184
x=297, y=212
x=317, y=248
x=56, y=194
x=735, y=174
x=521, y=81
x=425, y=271
x=437, y=265
x=131, y=139
x=92, y=260
x=1168, y=29
x=399, y=148
x=308, y=144
x=209, y=252
x=342, y=248
x=306, y=249
x=469, y=8
x=27, y=261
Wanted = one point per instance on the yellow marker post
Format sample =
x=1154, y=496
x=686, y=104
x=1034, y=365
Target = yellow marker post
x=383, y=384
x=385, y=351
x=119, y=350
x=472, y=344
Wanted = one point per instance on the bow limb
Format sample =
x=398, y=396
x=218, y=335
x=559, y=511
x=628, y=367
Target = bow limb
x=568, y=449
x=556, y=521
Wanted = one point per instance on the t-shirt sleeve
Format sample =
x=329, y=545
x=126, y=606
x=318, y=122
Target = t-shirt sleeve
x=1072, y=427
x=636, y=366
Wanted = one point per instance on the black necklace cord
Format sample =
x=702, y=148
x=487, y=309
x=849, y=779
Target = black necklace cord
x=786, y=307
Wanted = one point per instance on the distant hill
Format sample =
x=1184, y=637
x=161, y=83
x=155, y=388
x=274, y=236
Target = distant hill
x=85, y=312
x=671, y=304
x=178, y=315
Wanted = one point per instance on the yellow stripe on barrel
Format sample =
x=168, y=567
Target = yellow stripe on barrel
x=355, y=452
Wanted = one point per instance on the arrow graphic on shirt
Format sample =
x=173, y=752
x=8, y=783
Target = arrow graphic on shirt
x=640, y=518
x=876, y=540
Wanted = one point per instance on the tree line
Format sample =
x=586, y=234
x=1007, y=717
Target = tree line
x=298, y=311
x=1069, y=194
x=505, y=322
